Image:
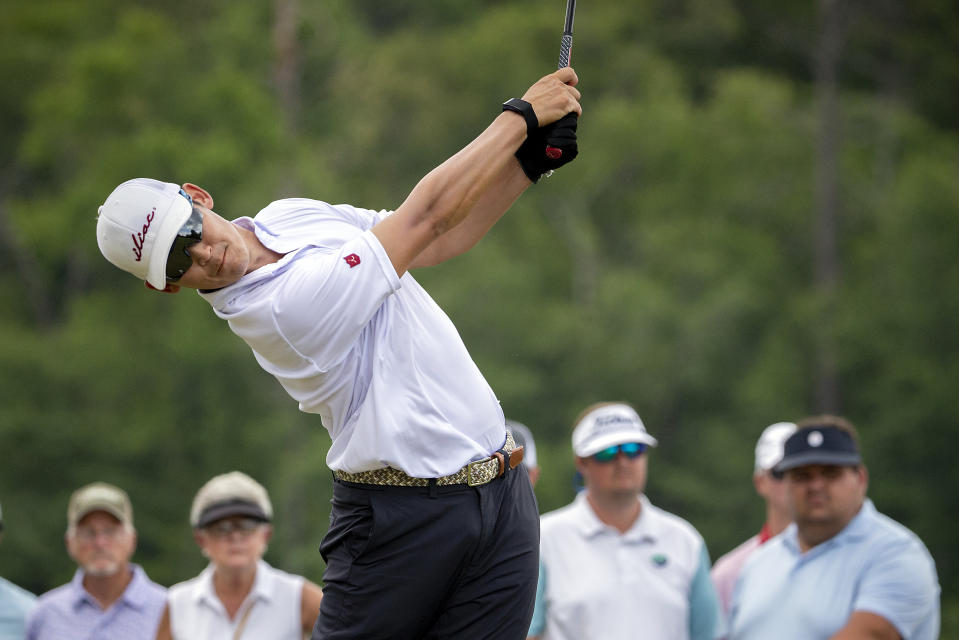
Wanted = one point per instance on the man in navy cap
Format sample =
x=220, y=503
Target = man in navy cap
x=842, y=569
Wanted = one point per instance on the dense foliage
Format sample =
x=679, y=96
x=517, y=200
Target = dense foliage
x=672, y=265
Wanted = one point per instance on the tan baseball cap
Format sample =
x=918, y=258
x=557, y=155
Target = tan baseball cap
x=230, y=494
x=99, y=496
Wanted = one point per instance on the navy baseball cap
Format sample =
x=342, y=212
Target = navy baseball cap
x=827, y=445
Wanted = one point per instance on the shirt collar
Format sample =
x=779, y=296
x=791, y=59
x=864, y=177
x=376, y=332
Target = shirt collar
x=643, y=530
x=857, y=529
x=264, y=585
x=136, y=594
x=221, y=298
x=765, y=533
x=859, y=526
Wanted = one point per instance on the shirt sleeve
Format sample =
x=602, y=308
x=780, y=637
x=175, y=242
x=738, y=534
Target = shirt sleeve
x=328, y=299
x=539, y=610
x=723, y=576
x=705, y=622
x=902, y=587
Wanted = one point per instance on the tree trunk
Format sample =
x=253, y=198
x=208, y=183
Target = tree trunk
x=826, y=221
x=286, y=74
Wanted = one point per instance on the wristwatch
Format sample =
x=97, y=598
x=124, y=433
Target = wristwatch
x=525, y=109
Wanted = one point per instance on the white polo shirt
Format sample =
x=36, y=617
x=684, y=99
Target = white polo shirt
x=196, y=612
x=651, y=582
x=369, y=352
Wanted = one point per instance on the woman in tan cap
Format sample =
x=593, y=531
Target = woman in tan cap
x=238, y=595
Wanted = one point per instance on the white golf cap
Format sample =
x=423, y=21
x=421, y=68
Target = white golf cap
x=137, y=225
x=606, y=426
x=230, y=494
x=769, y=448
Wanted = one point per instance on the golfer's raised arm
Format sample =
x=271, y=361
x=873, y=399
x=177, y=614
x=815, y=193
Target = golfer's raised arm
x=443, y=199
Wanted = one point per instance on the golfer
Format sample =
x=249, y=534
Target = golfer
x=434, y=527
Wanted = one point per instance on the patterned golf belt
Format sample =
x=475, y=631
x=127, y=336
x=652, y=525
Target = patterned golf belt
x=473, y=474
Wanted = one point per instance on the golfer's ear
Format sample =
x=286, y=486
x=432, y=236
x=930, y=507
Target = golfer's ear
x=170, y=288
x=200, y=195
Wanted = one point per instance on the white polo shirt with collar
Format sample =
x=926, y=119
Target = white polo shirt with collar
x=651, y=581
x=196, y=612
x=368, y=351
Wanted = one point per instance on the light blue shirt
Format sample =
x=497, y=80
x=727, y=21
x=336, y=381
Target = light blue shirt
x=71, y=612
x=874, y=564
x=596, y=582
x=15, y=604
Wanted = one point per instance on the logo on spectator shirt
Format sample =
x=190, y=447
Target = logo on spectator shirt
x=352, y=260
x=659, y=559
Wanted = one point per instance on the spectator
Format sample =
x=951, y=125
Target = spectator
x=612, y=565
x=109, y=598
x=769, y=486
x=15, y=604
x=238, y=595
x=323, y=296
x=842, y=569
x=524, y=438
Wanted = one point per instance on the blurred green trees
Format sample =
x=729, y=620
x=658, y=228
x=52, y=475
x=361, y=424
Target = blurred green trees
x=670, y=266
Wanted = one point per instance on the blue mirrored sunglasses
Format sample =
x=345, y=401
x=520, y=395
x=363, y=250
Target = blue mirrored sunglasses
x=179, y=260
x=629, y=449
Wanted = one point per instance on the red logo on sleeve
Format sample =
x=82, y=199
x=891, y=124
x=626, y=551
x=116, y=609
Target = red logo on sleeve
x=352, y=260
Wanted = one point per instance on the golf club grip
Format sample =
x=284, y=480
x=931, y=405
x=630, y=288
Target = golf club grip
x=565, y=49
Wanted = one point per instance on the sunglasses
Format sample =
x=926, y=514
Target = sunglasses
x=180, y=260
x=223, y=528
x=629, y=449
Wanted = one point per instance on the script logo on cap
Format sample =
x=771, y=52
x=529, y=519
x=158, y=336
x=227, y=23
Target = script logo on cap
x=138, y=238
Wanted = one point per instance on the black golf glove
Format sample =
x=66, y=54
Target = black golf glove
x=549, y=147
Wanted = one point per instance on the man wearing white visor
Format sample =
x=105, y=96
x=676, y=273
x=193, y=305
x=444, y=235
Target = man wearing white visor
x=612, y=565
